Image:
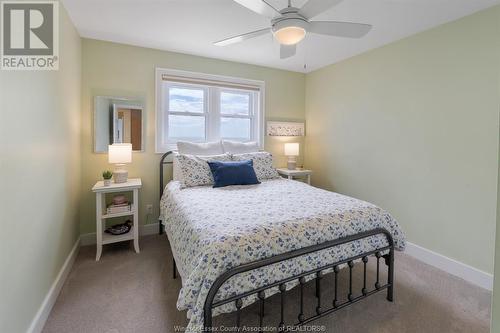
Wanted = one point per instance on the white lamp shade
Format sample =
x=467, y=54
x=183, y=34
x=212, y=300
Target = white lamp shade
x=292, y=149
x=120, y=153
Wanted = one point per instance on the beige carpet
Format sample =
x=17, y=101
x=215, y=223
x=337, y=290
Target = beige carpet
x=128, y=292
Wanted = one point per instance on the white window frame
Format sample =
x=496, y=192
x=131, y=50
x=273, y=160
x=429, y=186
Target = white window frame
x=253, y=110
x=211, y=105
x=204, y=114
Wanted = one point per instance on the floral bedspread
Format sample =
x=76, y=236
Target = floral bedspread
x=212, y=230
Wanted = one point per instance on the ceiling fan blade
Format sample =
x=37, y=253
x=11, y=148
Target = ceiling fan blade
x=339, y=29
x=240, y=38
x=316, y=7
x=261, y=7
x=287, y=51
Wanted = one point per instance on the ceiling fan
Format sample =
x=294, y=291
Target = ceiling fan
x=290, y=25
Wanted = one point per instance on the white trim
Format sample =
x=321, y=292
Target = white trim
x=144, y=230
x=50, y=299
x=452, y=266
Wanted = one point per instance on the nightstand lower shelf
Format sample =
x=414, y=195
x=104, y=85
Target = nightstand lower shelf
x=109, y=238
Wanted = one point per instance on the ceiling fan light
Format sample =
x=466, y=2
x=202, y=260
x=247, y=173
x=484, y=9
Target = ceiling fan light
x=290, y=35
x=290, y=31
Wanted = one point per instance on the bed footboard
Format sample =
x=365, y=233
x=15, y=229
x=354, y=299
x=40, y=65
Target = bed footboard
x=322, y=308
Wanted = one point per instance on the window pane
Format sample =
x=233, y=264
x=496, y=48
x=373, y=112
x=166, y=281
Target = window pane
x=186, y=127
x=235, y=103
x=235, y=128
x=185, y=99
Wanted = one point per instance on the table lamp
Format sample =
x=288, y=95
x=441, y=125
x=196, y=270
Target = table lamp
x=120, y=154
x=292, y=151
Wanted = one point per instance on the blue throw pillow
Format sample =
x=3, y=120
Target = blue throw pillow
x=233, y=173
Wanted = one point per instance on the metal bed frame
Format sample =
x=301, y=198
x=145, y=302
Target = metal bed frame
x=322, y=308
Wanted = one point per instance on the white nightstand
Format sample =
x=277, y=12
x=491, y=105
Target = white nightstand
x=100, y=190
x=297, y=173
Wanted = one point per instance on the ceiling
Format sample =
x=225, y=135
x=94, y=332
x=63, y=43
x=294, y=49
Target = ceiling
x=191, y=26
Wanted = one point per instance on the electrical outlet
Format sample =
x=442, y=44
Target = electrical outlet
x=149, y=208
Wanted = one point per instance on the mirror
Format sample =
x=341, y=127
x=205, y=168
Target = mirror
x=118, y=120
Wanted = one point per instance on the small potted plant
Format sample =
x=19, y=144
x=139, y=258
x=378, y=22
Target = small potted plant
x=107, y=175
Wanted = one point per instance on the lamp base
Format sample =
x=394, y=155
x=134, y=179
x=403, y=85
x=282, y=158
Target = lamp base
x=120, y=175
x=292, y=163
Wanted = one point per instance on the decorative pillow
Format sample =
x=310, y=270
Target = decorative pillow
x=235, y=147
x=233, y=173
x=262, y=164
x=195, y=169
x=203, y=149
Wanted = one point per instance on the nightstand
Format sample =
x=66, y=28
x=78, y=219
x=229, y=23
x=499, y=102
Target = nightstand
x=297, y=173
x=132, y=185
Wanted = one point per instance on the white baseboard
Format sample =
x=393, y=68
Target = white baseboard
x=50, y=299
x=452, y=266
x=144, y=230
x=87, y=239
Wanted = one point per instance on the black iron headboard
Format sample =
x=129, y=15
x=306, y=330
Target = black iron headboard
x=162, y=163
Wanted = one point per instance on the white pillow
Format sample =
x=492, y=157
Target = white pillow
x=205, y=149
x=262, y=164
x=176, y=169
x=235, y=147
x=195, y=169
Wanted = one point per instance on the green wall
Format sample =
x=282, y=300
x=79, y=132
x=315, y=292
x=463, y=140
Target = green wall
x=40, y=178
x=413, y=127
x=495, y=313
x=121, y=70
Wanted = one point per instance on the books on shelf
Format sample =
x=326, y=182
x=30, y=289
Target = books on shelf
x=119, y=208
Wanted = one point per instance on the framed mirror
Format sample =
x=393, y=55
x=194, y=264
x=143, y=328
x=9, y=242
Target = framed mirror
x=118, y=120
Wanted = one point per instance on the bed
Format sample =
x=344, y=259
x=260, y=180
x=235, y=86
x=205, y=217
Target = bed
x=238, y=245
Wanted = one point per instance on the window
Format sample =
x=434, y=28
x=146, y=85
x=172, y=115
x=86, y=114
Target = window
x=186, y=112
x=200, y=108
x=236, y=115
